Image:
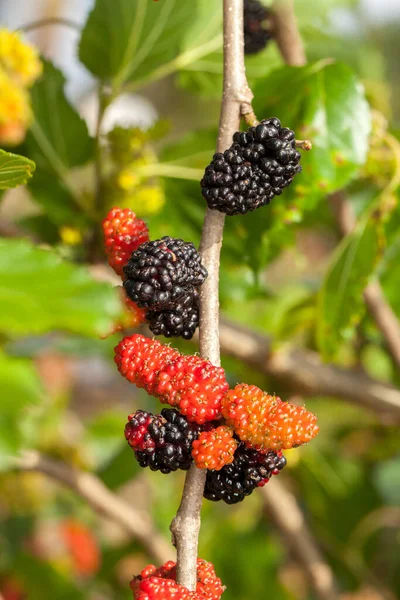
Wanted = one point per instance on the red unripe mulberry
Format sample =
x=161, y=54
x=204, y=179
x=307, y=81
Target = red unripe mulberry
x=123, y=234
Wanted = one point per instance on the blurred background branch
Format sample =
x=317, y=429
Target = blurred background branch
x=102, y=500
x=283, y=508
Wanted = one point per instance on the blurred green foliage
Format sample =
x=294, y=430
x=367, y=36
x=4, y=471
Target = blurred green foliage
x=284, y=272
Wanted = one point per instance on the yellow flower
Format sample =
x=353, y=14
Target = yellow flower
x=127, y=180
x=18, y=58
x=145, y=200
x=71, y=236
x=15, y=111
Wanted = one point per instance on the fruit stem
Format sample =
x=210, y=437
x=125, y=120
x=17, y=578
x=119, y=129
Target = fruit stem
x=236, y=101
x=304, y=144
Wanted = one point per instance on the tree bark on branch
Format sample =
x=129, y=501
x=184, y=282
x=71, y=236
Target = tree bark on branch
x=236, y=100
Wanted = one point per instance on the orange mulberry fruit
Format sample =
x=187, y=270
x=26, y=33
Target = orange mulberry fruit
x=265, y=421
x=214, y=449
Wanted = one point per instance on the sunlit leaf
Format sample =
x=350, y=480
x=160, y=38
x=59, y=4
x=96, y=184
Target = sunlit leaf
x=40, y=292
x=129, y=39
x=14, y=170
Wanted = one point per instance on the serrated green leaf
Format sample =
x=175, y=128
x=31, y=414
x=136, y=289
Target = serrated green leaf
x=340, y=304
x=128, y=40
x=325, y=103
x=14, y=170
x=58, y=138
x=39, y=292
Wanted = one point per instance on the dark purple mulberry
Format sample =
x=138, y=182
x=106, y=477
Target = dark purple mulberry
x=250, y=469
x=259, y=164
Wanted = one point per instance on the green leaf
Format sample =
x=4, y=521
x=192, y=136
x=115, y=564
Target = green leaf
x=58, y=138
x=20, y=389
x=14, y=170
x=325, y=103
x=201, y=61
x=128, y=40
x=39, y=292
x=340, y=304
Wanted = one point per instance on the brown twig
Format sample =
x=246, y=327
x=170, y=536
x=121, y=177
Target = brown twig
x=235, y=101
x=288, y=517
x=101, y=499
x=374, y=298
x=286, y=33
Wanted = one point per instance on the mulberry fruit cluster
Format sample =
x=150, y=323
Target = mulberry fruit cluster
x=163, y=276
x=248, y=470
x=160, y=583
x=237, y=435
x=123, y=234
x=256, y=34
x=259, y=164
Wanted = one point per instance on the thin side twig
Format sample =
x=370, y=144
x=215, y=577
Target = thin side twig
x=374, y=298
x=102, y=500
x=284, y=510
x=286, y=33
x=236, y=99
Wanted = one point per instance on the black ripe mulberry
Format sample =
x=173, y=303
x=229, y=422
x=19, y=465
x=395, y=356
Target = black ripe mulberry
x=260, y=163
x=182, y=321
x=161, y=442
x=250, y=469
x=161, y=272
x=256, y=34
